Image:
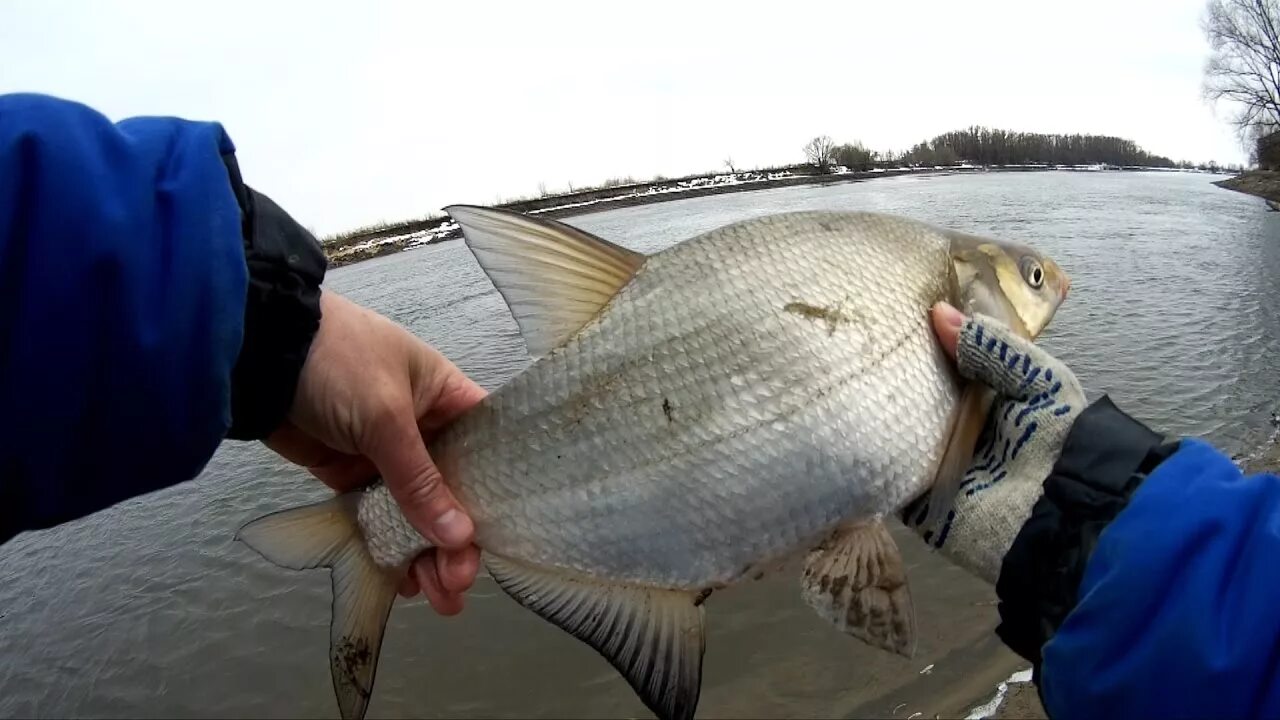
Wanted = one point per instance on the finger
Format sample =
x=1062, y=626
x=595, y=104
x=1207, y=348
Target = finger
x=334, y=468
x=442, y=601
x=350, y=472
x=458, y=568
x=415, y=482
x=991, y=353
x=947, y=322
x=299, y=447
x=456, y=393
x=408, y=586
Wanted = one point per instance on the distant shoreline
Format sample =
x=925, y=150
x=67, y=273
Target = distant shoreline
x=388, y=239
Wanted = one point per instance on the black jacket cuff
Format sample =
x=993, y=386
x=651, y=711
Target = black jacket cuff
x=1106, y=456
x=282, y=311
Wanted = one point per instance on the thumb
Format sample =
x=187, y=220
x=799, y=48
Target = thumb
x=947, y=322
x=398, y=451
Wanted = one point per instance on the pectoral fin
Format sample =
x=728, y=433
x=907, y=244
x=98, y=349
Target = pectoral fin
x=966, y=426
x=855, y=579
x=654, y=637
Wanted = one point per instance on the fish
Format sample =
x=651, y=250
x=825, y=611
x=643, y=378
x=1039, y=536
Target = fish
x=762, y=392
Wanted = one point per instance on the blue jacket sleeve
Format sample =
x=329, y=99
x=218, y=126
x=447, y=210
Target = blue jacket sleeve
x=122, y=295
x=1177, y=609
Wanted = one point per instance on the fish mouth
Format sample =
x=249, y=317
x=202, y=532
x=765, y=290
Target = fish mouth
x=1066, y=288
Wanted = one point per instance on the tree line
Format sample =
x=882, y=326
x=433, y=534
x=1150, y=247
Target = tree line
x=988, y=146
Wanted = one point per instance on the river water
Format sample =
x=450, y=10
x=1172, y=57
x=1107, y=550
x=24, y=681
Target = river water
x=150, y=609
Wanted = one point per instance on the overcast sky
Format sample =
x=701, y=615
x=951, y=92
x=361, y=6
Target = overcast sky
x=350, y=113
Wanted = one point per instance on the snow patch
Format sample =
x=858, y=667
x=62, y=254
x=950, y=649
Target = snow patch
x=417, y=237
x=989, y=708
x=739, y=178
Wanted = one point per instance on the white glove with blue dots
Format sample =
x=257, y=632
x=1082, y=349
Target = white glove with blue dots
x=1037, y=400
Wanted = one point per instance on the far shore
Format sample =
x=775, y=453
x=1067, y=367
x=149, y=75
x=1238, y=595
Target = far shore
x=392, y=238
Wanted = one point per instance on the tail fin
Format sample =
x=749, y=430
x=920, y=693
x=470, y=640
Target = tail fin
x=327, y=535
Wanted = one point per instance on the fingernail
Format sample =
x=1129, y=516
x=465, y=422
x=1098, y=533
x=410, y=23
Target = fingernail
x=453, y=528
x=950, y=316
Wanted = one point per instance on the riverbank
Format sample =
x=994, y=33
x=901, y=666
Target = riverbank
x=373, y=242
x=1266, y=460
x=1259, y=183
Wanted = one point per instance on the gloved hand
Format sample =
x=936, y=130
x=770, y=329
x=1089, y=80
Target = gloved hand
x=1037, y=399
x=1049, y=475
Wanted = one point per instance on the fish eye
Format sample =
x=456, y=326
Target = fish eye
x=1032, y=272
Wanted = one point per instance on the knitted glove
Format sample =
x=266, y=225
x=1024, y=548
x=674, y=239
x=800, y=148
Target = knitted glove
x=1048, y=477
x=1037, y=400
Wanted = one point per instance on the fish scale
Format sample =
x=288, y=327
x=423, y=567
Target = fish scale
x=691, y=418
x=684, y=309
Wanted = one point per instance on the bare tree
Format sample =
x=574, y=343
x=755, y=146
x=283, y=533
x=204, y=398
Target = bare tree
x=1244, y=67
x=728, y=162
x=852, y=155
x=820, y=151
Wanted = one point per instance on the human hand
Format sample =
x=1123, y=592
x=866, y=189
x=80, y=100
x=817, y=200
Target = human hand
x=1037, y=400
x=369, y=397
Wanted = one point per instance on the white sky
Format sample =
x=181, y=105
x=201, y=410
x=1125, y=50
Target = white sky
x=349, y=113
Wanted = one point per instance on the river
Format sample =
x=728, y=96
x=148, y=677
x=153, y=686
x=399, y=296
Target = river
x=150, y=609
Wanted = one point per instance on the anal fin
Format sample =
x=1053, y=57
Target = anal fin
x=326, y=534
x=855, y=579
x=654, y=637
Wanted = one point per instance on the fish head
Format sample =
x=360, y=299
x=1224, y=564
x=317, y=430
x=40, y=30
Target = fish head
x=1008, y=281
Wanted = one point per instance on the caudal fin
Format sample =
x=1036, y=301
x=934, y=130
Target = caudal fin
x=327, y=535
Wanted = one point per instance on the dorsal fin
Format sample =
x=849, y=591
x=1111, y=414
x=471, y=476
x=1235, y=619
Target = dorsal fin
x=554, y=277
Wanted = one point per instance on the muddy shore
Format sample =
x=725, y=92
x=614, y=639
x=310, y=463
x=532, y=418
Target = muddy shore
x=1268, y=460
x=1259, y=183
